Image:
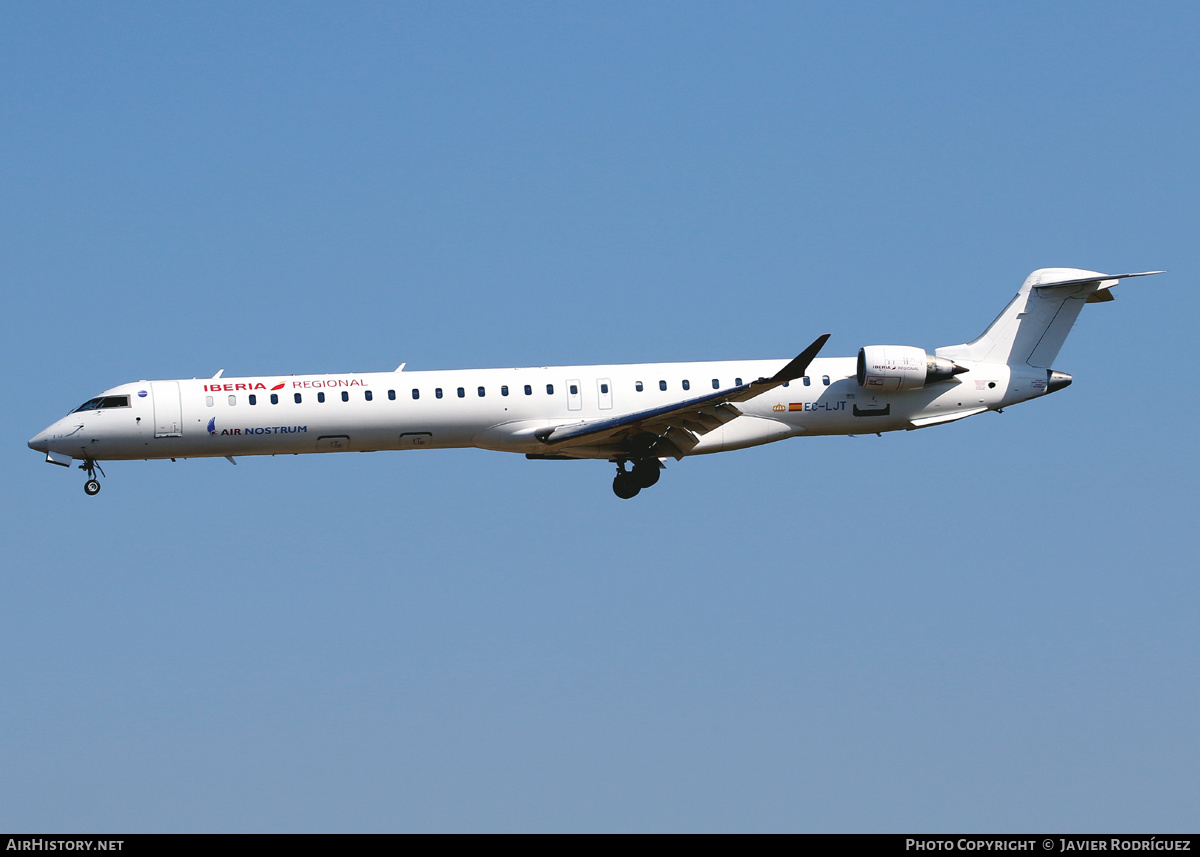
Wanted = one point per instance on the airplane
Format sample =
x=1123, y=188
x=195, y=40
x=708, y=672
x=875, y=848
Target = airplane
x=635, y=416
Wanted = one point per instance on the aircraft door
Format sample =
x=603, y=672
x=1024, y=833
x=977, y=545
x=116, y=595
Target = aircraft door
x=604, y=393
x=168, y=411
x=574, y=395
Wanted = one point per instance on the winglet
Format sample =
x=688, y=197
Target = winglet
x=799, y=366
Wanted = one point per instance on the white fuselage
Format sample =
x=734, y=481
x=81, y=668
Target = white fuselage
x=634, y=415
x=500, y=409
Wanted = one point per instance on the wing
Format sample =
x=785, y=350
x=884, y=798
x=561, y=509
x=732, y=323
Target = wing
x=672, y=430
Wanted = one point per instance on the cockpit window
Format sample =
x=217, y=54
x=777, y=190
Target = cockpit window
x=103, y=402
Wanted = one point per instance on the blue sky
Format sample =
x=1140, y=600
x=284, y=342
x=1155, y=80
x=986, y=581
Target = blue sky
x=988, y=626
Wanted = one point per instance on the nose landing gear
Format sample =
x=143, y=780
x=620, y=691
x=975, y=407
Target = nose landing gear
x=92, y=486
x=627, y=483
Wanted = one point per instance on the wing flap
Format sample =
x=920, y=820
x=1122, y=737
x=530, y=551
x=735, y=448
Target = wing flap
x=696, y=424
x=678, y=442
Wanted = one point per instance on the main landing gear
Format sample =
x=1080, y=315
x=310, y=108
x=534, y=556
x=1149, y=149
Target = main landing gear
x=92, y=486
x=628, y=483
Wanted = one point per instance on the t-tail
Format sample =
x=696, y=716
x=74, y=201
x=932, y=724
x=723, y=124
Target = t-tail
x=1032, y=328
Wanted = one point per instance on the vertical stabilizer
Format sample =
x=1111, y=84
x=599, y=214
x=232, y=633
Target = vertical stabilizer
x=1034, y=325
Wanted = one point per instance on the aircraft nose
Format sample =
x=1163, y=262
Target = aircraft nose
x=40, y=441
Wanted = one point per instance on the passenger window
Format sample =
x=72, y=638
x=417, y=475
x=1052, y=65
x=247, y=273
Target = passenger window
x=662, y=385
x=687, y=385
x=638, y=386
x=320, y=397
x=716, y=384
x=391, y=395
x=825, y=380
x=297, y=398
x=737, y=382
x=786, y=383
x=438, y=392
x=232, y=400
x=549, y=389
x=369, y=395
x=345, y=396
x=462, y=393
x=574, y=389
x=528, y=390
x=208, y=401
x=274, y=399
x=807, y=381
x=504, y=391
x=481, y=392
x=416, y=393
x=253, y=399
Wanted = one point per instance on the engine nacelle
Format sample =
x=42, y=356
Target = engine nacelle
x=902, y=367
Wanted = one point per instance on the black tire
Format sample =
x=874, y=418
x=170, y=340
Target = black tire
x=646, y=473
x=91, y=487
x=624, y=486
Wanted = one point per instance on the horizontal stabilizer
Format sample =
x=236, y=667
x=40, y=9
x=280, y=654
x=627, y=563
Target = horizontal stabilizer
x=1097, y=278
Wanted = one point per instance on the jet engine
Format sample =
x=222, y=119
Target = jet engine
x=902, y=367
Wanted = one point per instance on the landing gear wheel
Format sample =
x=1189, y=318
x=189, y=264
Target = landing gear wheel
x=645, y=473
x=625, y=487
x=92, y=486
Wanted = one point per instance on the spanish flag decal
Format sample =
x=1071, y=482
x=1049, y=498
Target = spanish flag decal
x=796, y=406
